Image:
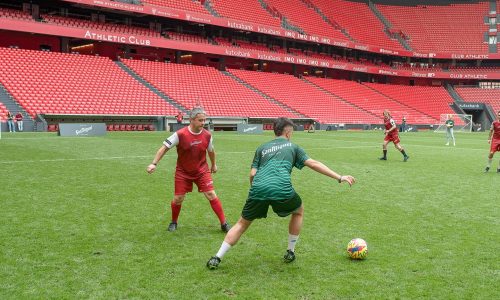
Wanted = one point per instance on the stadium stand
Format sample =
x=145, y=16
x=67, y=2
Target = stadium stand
x=441, y=28
x=15, y=14
x=298, y=14
x=489, y=96
x=246, y=10
x=3, y=113
x=60, y=83
x=186, y=37
x=219, y=94
x=355, y=18
x=124, y=29
x=431, y=100
x=188, y=5
x=370, y=100
x=306, y=98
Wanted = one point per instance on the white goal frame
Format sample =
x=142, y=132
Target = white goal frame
x=463, y=123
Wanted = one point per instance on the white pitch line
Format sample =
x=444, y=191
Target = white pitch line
x=149, y=156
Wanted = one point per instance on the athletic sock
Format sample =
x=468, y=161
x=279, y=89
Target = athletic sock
x=223, y=249
x=403, y=152
x=217, y=208
x=292, y=240
x=176, y=210
x=385, y=153
x=489, y=163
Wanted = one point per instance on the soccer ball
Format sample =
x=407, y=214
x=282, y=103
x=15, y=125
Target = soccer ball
x=357, y=249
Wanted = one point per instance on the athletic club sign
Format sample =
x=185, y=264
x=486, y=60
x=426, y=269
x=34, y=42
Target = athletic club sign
x=124, y=39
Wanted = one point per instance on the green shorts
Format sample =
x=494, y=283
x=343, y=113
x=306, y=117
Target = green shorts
x=257, y=209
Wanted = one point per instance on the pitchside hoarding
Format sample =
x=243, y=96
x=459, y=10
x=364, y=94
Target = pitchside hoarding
x=250, y=128
x=80, y=129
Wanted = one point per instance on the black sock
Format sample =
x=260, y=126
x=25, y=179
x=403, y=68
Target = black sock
x=403, y=152
x=385, y=153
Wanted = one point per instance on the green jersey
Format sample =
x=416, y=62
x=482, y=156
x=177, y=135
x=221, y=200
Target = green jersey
x=274, y=162
x=450, y=123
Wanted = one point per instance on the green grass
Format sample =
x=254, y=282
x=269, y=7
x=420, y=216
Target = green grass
x=80, y=218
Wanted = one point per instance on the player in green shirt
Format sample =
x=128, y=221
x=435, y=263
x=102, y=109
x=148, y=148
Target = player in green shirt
x=270, y=178
x=449, y=130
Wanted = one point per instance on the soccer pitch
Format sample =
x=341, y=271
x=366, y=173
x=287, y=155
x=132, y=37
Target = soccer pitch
x=81, y=218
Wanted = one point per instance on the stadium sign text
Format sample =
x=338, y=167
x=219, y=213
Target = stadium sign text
x=117, y=38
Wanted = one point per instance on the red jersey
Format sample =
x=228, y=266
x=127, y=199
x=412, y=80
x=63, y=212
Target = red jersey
x=389, y=123
x=191, y=150
x=496, y=130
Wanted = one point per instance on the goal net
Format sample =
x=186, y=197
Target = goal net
x=463, y=123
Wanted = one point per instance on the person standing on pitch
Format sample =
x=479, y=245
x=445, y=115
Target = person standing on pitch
x=494, y=141
x=270, y=179
x=193, y=143
x=450, y=123
x=391, y=135
x=19, y=121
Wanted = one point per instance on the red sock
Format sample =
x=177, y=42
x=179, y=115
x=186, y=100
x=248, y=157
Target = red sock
x=217, y=208
x=176, y=210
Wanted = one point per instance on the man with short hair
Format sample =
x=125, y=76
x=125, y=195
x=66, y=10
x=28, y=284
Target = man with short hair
x=494, y=141
x=391, y=135
x=192, y=142
x=270, y=178
x=450, y=123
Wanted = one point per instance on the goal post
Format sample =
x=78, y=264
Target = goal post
x=463, y=122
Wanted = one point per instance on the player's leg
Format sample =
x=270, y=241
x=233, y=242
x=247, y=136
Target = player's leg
x=452, y=136
x=495, y=146
x=384, y=149
x=401, y=149
x=217, y=208
x=293, y=207
x=252, y=210
x=183, y=185
x=294, y=228
x=175, y=207
x=205, y=185
x=447, y=136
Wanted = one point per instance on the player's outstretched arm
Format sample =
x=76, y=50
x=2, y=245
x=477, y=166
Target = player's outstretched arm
x=159, y=155
x=321, y=168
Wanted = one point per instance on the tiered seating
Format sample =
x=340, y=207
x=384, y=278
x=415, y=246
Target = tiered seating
x=124, y=29
x=448, y=28
x=189, y=5
x=219, y=94
x=490, y=96
x=187, y=37
x=306, y=18
x=59, y=83
x=355, y=18
x=370, y=100
x=15, y=14
x=252, y=46
x=223, y=42
x=306, y=98
x=245, y=10
x=3, y=113
x=431, y=100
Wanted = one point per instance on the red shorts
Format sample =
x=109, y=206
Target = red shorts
x=392, y=138
x=184, y=183
x=495, y=146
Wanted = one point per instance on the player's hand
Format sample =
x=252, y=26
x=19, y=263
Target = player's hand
x=349, y=179
x=151, y=168
x=489, y=141
x=213, y=169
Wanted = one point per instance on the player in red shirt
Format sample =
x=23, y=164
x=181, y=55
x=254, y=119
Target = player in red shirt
x=391, y=135
x=494, y=140
x=193, y=142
